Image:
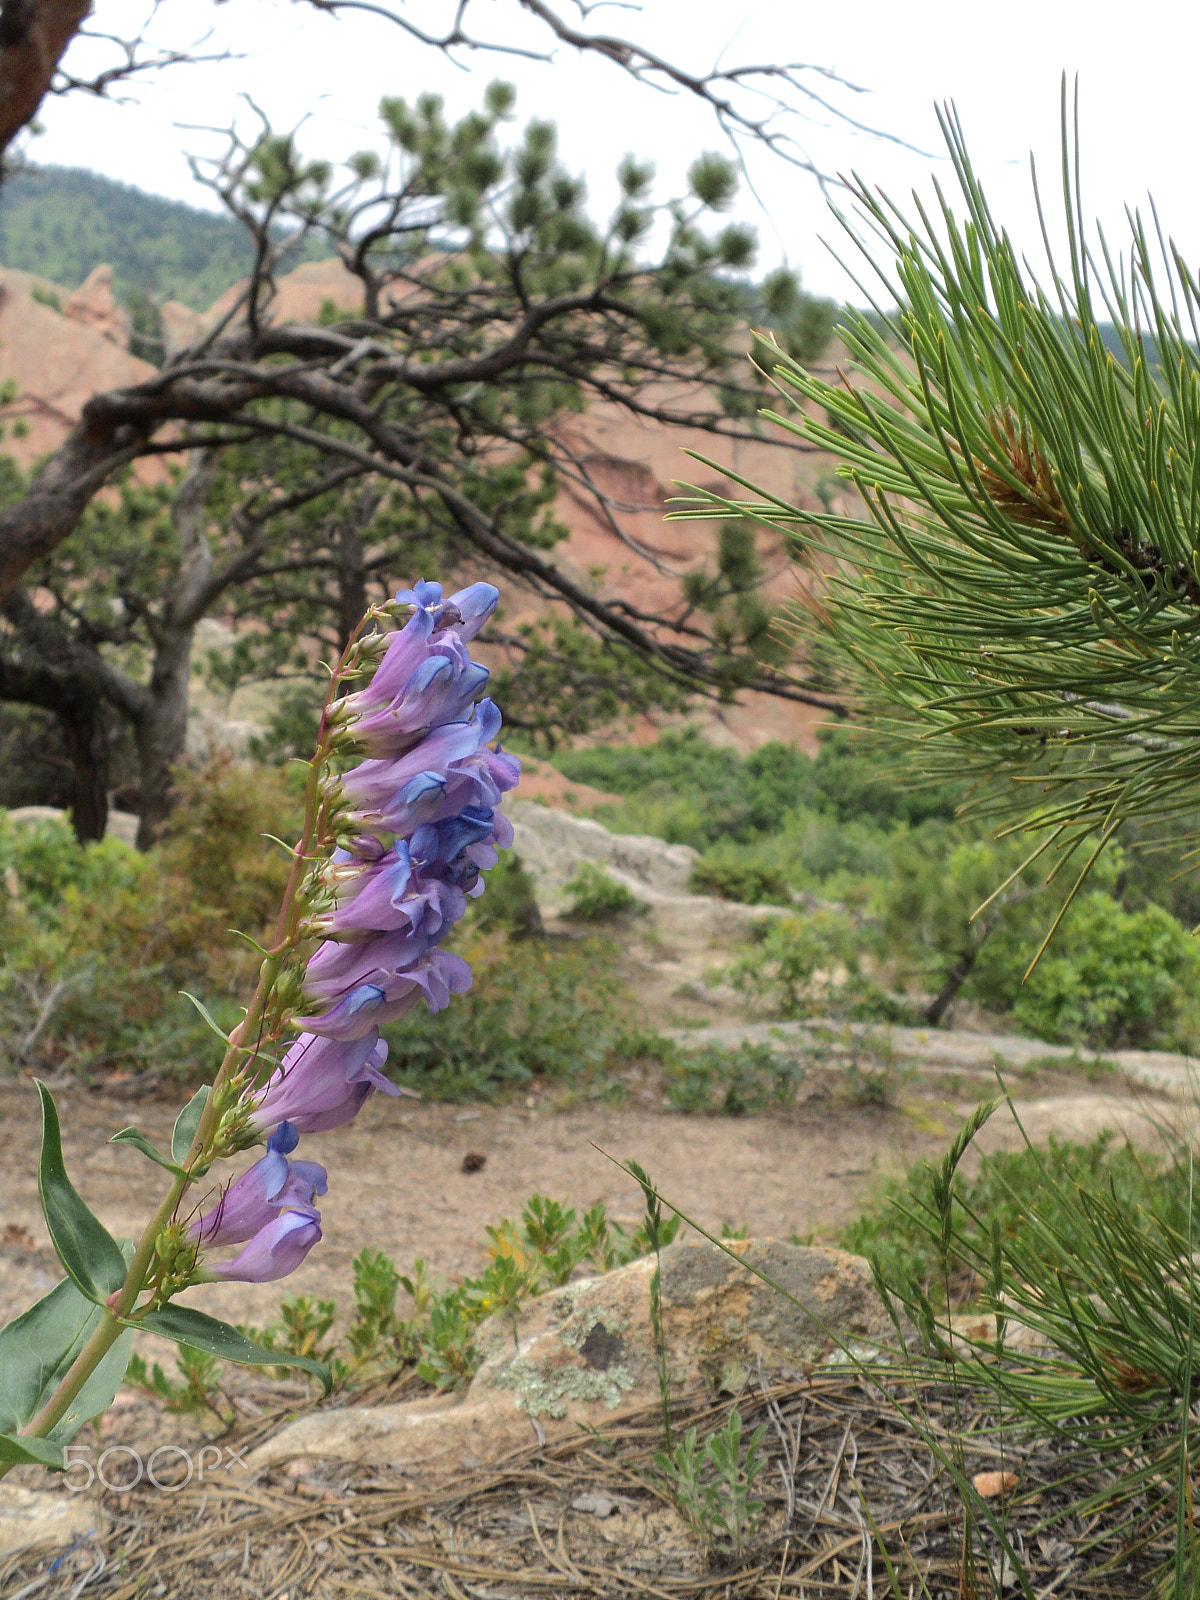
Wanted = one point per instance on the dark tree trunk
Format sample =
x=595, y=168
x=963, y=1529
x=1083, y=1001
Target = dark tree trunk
x=41, y=666
x=955, y=978
x=34, y=35
x=161, y=729
x=161, y=732
x=86, y=733
x=352, y=571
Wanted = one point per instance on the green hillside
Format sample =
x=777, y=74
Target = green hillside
x=61, y=222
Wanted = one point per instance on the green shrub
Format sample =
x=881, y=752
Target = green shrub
x=1110, y=977
x=689, y=791
x=801, y=966
x=536, y=1009
x=596, y=896
x=738, y=1082
x=745, y=881
x=97, y=940
x=291, y=731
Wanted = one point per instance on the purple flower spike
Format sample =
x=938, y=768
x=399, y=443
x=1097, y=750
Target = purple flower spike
x=386, y=996
x=465, y=611
x=338, y=968
x=423, y=594
x=390, y=896
x=440, y=690
x=269, y=1186
x=424, y=803
x=323, y=1081
x=275, y=1250
x=405, y=652
x=377, y=780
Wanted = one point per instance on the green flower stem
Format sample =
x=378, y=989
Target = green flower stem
x=116, y=1317
x=111, y=1324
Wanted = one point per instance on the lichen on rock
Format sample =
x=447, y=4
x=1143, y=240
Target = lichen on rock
x=546, y=1392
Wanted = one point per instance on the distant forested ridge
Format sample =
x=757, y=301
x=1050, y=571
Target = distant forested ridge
x=61, y=222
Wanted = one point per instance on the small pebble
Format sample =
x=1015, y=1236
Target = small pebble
x=594, y=1505
x=321, y=1547
x=990, y=1484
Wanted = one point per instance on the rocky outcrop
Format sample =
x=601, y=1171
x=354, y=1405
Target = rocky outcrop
x=586, y=1352
x=553, y=845
x=56, y=363
x=181, y=326
x=94, y=307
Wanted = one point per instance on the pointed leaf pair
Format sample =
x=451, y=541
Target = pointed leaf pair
x=139, y=1141
x=185, y=1325
x=182, y=1136
x=186, y=1124
x=16, y=1452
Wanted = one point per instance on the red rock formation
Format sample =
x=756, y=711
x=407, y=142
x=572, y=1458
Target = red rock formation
x=93, y=305
x=56, y=360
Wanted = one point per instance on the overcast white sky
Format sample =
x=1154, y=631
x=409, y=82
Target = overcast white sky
x=1001, y=64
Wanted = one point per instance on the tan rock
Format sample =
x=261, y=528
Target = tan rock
x=585, y=1353
x=33, y=1516
x=93, y=305
x=553, y=845
x=181, y=326
x=300, y=295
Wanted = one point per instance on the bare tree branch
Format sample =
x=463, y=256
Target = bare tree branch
x=752, y=103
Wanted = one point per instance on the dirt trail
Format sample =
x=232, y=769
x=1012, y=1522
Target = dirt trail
x=396, y=1178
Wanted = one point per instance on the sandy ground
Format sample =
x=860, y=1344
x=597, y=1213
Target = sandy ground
x=397, y=1181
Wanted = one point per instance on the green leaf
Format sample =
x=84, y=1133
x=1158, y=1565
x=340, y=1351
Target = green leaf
x=37, y=1348
x=139, y=1141
x=186, y=1124
x=85, y=1247
x=30, y=1452
x=187, y=1326
x=204, y=1012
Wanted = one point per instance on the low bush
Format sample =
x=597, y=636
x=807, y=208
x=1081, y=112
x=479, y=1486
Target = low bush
x=536, y=1009
x=1109, y=978
x=849, y=827
x=690, y=791
x=737, y=1082
x=596, y=896
x=748, y=882
x=97, y=941
x=802, y=966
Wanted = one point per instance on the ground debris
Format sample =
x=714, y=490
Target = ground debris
x=850, y=1488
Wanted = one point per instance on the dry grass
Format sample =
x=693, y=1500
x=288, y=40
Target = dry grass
x=848, y=1479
